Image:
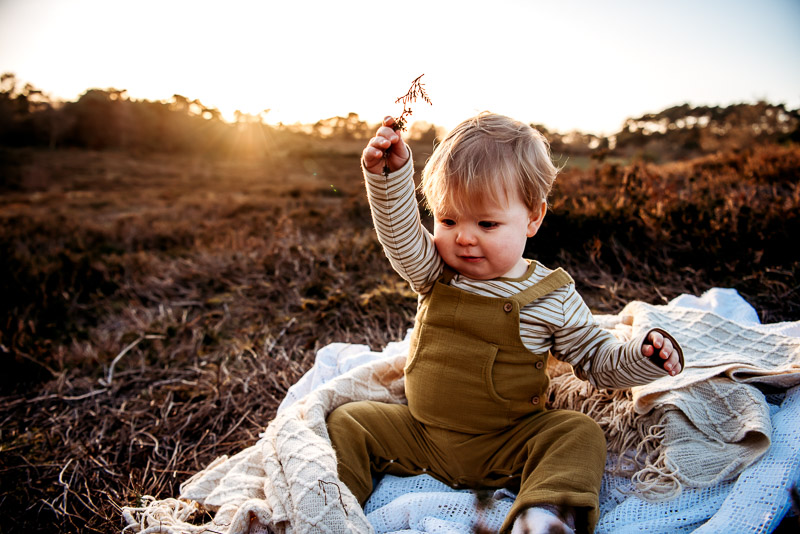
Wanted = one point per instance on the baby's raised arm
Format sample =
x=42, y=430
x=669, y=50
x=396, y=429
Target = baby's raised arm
x=373, y=156
x=395, y=210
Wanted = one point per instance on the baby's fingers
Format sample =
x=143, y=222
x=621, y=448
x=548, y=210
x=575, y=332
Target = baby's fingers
x=656, y=339
x=387, y=142
x=387, y=133
x=652, y=343
x=382, y=142
x=662, y=352
x=388, y=120
x=372, y=157
x=673, y=364
x=667, y=349
x=376, y=147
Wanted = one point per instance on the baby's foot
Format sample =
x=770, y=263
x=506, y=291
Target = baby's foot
x=541, y=520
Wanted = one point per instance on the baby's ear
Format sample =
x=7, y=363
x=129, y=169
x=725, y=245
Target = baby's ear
x=535, y=219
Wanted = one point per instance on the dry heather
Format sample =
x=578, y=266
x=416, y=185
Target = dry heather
x=155, y=310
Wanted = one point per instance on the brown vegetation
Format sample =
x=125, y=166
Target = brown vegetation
x=157, y=306
x=156, y=309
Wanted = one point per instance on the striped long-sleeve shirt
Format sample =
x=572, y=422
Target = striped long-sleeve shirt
x=559, y=322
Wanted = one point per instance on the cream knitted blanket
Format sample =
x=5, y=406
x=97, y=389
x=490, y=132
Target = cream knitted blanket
x=701, y=427
x=287, y=481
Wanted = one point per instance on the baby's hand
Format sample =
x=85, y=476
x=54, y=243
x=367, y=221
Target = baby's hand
x=372, y=157
x=657, y=343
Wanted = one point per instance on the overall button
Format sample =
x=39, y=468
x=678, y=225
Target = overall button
x=507, y=307
x=539, y=364
x=535, y=400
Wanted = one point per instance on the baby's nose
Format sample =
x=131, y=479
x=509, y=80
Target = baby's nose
x=465, y=238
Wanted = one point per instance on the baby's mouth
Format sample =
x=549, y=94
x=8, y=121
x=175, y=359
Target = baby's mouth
x=471, y=259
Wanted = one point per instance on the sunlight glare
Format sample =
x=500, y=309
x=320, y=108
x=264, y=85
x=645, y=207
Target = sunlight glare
x=577, y=65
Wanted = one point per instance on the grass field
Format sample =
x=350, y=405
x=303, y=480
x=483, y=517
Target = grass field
x=155, y=309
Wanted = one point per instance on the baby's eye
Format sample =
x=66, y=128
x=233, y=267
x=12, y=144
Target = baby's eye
x=488, y=224
x=447, y=222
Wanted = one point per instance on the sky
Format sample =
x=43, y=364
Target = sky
x=580, y=64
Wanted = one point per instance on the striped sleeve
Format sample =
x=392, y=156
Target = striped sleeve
x=395, y=215
x=596, y=354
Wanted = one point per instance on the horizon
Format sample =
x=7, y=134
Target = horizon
x=600, y=64
x=264, y=118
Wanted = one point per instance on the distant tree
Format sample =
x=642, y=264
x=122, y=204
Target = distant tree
x=180, y=104
x=9, y=107
x=26, y=113
x=423, y=132
x=573, y=143
x=108, y=119
x=100, y=118
x=350, y=127
x=685, y=130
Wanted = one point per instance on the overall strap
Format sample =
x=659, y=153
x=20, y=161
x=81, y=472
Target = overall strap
x=447, y=274
x=548, y=284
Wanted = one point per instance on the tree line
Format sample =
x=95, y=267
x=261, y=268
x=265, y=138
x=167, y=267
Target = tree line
x=685, y=131
x=104, y=119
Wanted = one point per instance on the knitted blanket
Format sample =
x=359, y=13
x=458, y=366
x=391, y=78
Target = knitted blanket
x=286, y=482
x=703, y=426
x=694, y=430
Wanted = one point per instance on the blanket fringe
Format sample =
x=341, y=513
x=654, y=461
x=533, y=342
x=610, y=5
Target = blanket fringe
x=634, y=439
x=658, y=480
x=167, y=516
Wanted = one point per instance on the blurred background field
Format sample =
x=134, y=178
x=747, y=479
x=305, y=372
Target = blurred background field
x=166, y=275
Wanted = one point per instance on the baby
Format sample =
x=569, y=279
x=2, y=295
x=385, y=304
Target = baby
x=487, y=319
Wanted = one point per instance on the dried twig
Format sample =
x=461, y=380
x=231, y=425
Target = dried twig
x=417, y=90
x=110, y=374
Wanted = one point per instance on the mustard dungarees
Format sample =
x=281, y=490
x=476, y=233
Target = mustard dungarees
x=475, y=414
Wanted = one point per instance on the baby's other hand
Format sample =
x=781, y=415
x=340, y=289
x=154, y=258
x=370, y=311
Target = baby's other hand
x=656, y=343
x=373, y=156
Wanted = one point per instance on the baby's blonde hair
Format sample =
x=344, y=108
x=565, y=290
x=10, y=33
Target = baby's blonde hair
x=485, y=159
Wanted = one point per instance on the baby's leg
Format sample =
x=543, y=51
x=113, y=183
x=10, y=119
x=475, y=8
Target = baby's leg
x=562, y=468
x=376, y=436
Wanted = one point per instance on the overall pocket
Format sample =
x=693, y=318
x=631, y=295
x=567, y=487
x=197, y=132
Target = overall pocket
x=515, y=376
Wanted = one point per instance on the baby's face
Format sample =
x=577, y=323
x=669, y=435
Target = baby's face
x=485, y=242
